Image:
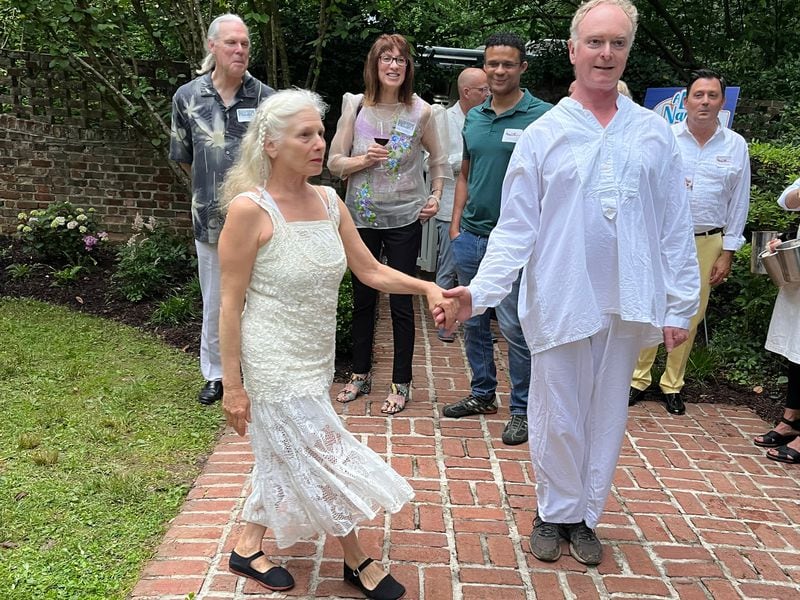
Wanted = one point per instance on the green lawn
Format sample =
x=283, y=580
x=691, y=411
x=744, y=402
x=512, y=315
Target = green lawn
x=100, y=438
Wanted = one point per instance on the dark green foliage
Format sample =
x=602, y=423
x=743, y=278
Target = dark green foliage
x=66, y=275
x=184, y=304
x=739, y=310
x=738, y=318
x=19, y=270
x=344, y=316
x=704, y=364
x=155, y=259
x=176, y=309
x=774, y=167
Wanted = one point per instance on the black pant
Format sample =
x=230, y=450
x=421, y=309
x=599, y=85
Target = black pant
x=793, y=389
x=400, y=246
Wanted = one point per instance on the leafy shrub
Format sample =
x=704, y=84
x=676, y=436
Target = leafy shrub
x=344, y=316
x=154, y=260
x=704, y=364
x=739, y=311
x=774, y=168
x=60, y=235
x=738, y=316
x=176, y=309
x=19, y=270
x=66, y=275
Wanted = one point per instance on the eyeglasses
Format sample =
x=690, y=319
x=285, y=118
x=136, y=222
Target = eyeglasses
x=506, y=65
x=483, y=90
x=400, y=60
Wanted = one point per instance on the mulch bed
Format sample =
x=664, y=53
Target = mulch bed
x=93, y=293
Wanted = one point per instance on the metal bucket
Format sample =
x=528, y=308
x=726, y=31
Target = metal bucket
x=789, y=258
x=759, y=243
x=771, y=264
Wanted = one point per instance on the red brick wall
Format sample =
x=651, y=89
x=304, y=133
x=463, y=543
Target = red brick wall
x=110, y=170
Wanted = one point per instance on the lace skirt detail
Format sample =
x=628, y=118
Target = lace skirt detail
x=311, y=475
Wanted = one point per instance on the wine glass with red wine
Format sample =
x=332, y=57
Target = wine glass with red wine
x=380, y=139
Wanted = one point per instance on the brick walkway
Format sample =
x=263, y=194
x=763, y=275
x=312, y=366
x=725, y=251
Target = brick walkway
x=696, y=510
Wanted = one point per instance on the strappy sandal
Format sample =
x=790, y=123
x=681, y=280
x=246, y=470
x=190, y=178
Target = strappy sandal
x=357, y=386
x=773, y=439
x=396, y=401
x=785, y=454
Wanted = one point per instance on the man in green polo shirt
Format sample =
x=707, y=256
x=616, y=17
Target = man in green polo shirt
x=491, y=131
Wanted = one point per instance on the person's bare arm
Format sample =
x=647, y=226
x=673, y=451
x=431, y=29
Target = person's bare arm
x=793, y=200
x=381, y=277
x=247, y=227
x=459, y=199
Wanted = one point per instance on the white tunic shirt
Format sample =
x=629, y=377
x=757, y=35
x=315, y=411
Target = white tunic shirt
x=717, y=181
x=599, y=220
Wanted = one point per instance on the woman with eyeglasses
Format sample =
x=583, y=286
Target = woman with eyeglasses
x=378, y=148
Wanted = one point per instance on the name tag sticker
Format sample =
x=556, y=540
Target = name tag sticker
x=245, y=115
x=724, y=160
x=405, y=127
x=512, y=135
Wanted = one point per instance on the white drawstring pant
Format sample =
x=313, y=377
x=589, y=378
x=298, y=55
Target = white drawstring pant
x=577, y=413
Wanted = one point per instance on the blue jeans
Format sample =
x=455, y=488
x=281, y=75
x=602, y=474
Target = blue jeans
x=468, y=250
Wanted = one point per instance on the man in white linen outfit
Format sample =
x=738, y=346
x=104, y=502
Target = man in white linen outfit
x=594, y=209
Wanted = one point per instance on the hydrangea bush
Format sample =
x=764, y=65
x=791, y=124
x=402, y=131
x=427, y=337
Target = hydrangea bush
x=61, y=235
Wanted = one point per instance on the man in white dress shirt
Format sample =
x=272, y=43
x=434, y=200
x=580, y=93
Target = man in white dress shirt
x=716, y=174
x=472, y=91
x=594, y=209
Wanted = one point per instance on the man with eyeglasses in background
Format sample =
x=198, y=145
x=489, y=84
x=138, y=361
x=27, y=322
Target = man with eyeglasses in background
x=490, y=133
x=472, y=91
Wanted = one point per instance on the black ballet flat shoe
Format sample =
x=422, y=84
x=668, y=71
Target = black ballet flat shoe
x=276, y=579
x=387, y=589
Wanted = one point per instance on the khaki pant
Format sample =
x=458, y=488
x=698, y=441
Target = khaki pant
x=709, y=249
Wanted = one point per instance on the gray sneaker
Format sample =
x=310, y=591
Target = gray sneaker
x=583, y=544
x=471, y=405
x=546, y=540
x=516, y=431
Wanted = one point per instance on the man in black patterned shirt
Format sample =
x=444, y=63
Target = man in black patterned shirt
x=210, y=115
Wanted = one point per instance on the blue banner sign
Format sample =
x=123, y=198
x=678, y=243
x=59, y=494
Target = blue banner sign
x=669, y=103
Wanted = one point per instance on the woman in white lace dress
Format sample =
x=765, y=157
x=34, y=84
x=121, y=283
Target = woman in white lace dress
x=283, y=251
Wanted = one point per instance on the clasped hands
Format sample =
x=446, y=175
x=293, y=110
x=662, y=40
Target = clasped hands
x=451, y=308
